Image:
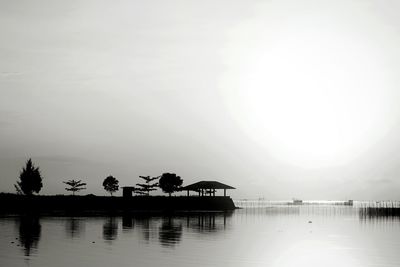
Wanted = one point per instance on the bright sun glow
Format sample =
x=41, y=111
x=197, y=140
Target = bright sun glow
x=314, y=97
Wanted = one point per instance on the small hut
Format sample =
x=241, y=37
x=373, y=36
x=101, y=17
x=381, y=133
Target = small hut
x=127, y=191
x=206, y=187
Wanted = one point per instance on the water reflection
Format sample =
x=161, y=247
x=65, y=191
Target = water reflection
x=170, y=232
x=29, y=233
x=110, y=229
x=379, y=217
x=73, y=227
x=296, y=211
x=377, y=213
x=147, y=227
x=282, y=236
x=208, y=222
x=127, y=222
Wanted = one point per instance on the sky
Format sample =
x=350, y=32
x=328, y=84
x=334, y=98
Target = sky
x=280, y=99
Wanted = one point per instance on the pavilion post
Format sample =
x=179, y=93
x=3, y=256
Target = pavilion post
x=188, y=193
x=224, y=192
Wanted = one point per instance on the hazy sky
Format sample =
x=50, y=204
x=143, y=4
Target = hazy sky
x=280, y=99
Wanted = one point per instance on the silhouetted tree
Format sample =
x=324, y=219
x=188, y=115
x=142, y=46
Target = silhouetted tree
x=148, y=186
x=30, y=180
x=110, y=184
x=170, y=182
x=75, y=186
x=139, y=191
x=18, y=189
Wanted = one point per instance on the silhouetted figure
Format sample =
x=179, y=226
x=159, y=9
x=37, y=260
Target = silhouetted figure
x=30, y=180
x=170, y=233
x=29, y=233
x=110, y=229
x=73, y=227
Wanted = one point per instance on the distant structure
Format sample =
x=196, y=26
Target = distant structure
x=349, y=202
x=206, y=187
x=127, y=191
x=297, y=201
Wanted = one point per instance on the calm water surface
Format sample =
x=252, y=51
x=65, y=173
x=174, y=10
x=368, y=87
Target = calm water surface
x=273, y=236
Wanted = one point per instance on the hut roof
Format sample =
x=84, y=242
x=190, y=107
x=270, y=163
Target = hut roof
x=207, y=185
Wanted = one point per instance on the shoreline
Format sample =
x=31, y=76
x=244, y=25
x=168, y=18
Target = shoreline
x=91, y=205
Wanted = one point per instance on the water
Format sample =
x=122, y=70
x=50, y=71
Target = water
x=262, y=203
x=272, y=236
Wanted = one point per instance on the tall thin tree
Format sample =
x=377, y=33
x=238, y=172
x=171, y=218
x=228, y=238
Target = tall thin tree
x=148, y=186
x=74, y=186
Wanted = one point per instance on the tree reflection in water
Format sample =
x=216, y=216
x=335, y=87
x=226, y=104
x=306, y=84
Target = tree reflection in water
x=73, y=227
x=29, y=233
x=110, y=229
x=147, y=226
x=170, y=232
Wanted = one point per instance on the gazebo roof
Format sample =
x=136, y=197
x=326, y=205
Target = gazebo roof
x=207, y=185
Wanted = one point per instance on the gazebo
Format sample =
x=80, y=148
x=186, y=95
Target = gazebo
x=206, y=187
